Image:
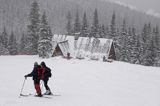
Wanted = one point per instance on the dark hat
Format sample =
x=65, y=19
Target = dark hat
x=35, y=64
x=43, y=64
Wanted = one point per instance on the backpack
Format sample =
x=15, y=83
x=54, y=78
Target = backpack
x=49, y=74
x=40, y=72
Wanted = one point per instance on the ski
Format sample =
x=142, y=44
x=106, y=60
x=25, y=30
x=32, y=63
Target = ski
x=52, y=94
x=31, y=95
x=43, y=96
x=25, y=95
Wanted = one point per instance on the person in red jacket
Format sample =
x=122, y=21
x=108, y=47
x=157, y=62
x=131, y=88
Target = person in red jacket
x=47, y=75
x=37, y=74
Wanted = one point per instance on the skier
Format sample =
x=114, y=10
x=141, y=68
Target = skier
x=47, y=74
x=37, y=74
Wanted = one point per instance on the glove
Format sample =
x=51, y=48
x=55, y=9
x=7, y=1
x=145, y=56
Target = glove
x=25, y=76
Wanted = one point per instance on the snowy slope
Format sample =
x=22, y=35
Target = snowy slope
x=80, y=83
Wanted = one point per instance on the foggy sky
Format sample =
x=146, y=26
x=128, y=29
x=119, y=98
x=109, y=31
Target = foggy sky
x=143, y=5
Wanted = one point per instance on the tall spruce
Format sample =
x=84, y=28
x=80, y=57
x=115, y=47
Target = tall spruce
x=107, y=32
x=146, y=44
x=153, y=51
x=22, y=44
x=33, y=29
x=69, y=24
x=135, y=45
x=44, y=44
x=102, y=31
x=113, y=26
x=77, y=26
x=3, y=50
x=12, y=45
x=4, y=38
x=84, y=31
x=157, y=37
x=95, y=25
x=131, y=46
x=157, y=45
x=123, y=42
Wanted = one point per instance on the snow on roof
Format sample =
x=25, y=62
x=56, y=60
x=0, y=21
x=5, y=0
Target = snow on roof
x=64, y=46
x=85, y=46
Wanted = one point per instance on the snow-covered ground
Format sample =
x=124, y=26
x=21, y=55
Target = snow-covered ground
x=80, y=83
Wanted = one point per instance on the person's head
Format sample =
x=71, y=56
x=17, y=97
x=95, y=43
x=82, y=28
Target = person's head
x=43, y=64
x=35, y=64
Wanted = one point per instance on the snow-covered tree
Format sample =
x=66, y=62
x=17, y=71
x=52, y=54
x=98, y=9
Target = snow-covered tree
x=122, y=46
x=95, y=25
x=102, y=33
x=50, y=33
x=107, y=32
x=113, y=26
x=4, y=38
x=147, y=44
x=12, y=45
x=3, y=50
x=22, y=44
x=77, y=26
x=84, y=31
x=44, y=44
x=134, y=47
x=69, y=24
x=33, y=29
x=157, y=37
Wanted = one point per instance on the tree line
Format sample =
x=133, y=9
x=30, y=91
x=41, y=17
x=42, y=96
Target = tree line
x=36, y=40
x=137, y=46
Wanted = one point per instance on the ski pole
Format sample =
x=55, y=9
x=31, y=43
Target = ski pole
x=22, y=86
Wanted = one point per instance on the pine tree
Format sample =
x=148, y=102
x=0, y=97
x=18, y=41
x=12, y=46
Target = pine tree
x=44, y=45
x=84, y=31
x=132, y=48
x=50, y=34
x=147, y=39
x=121, y=43
x=12, y=45
x=151, y=53
x=102, y=33
x=143, y=45
x=157, y=45
x=113, y=26
x=22, y=44
x=4, y=38
x=107, y=32
x=95, y=25
x=157, y=37
x=69, y=24
x=33, y=29
x=135, y=45
x=138, y=48
x=144, y=33
x=3, y=50
x=77, y=25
